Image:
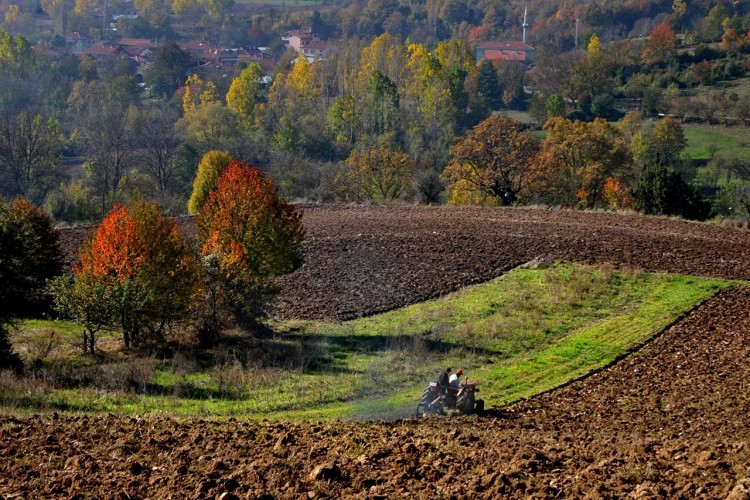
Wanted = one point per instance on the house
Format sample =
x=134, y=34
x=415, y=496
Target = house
x=314, y=51
x=77, y=42
x=296, y=40
x=101, y=51
x=505, y=50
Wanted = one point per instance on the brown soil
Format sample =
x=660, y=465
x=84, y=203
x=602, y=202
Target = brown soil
x=668, y=421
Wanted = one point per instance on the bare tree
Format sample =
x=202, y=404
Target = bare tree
x=157, y=142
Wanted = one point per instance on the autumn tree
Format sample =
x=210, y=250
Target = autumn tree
x=376, y=174
x=666, y=142
x=252, y=234
x=661, y=45
x=489, y=164
x=245, y=93
x=575, y=160
x=137, y=273
x=210, y=168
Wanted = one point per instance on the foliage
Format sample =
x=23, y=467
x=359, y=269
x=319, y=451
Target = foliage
x=575, y=161
x=136, y=272
x=254, y=233
x=377, y=174
x=616, y=195
x=245, y=93
x=209, y=170
x=491, y=160
x=167, y=72
x=29, y=255
x=663, y=191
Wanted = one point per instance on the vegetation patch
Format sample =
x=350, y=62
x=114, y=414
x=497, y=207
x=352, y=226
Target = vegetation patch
x=519, y=335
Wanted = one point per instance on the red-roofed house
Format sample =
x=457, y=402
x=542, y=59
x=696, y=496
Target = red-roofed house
x=505, y=50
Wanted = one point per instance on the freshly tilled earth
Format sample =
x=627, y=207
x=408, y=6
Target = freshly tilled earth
x=668, y=421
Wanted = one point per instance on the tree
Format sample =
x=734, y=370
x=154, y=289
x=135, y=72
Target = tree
x=137, y=272
x=158, y=140
x=377, y=174
x=197, y=94
x=663, y=191
x=210, y=168
x=575, y=160
x=30, y=151
x=491, y=161
x=29, y=255
x=488, y=85
x=254, y=234
x=104, y=127
x=667, y=142
x=168, y=70
x=661, y=45
x=245, y=93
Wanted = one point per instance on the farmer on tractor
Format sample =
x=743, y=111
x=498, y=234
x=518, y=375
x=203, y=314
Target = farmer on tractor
x=444, y=380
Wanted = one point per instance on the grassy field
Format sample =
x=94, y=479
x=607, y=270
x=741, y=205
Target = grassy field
x=517, y=336
x=726, y=142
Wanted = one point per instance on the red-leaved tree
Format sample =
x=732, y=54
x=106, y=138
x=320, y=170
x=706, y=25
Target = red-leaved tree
x=143, y=271
x=252, y=234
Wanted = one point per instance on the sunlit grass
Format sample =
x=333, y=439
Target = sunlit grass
x=519, y=335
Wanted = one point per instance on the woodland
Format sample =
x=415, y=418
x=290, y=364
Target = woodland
x=397, y=109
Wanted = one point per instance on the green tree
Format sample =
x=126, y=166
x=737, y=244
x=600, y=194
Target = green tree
x=209, y=170
x=663, y=191
x=29, y=255
x=168, y=70
x=245, y=93
x=489, y=164
x=488, y=85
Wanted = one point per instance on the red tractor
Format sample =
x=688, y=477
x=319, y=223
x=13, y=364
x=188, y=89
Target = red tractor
x=460, y=399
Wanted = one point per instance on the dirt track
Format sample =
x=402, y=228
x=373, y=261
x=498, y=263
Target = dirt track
x=669, y=421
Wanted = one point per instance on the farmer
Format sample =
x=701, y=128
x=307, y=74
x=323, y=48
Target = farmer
x=453, y=379
x=444, y=380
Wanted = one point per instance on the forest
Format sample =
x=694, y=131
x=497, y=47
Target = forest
x=395, y=108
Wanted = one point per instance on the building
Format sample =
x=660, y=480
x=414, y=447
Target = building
x=505, y=50
x=298, y=40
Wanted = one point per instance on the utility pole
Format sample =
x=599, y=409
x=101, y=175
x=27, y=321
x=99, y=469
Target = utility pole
x=576, y=34
x=525, y=24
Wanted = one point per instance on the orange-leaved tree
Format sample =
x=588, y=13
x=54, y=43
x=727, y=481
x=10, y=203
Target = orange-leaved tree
x=489, y=165
x=144, y=270
x=252, y=234
x=575, y=161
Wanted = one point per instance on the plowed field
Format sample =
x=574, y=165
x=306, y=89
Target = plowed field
x=669, y=421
